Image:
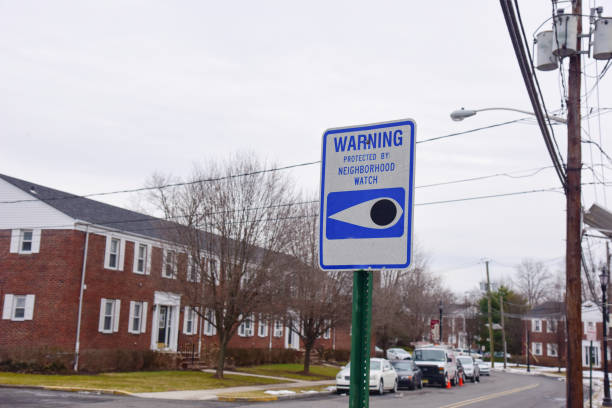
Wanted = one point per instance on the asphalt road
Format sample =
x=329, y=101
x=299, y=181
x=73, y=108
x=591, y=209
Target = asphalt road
x=499, y=390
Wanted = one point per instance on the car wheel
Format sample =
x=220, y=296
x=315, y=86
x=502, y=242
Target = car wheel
x=420, y=383
x=474, y=378
x=412, y=385
x=445, y=381
x=394, y=389
x=454, y=381
x=478, y=378
x=381, y=388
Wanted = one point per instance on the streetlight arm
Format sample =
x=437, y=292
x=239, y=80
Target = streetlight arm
x=462, y=113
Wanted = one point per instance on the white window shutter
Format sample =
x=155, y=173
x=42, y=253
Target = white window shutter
x=36, y=241
x=116, y=316
x=101, y=320
x=185, y=314
x=135, y=261
x=29, y=307
x=143, y=320
x=7, y=310
x=15, y=238
x=196, y=320
x=107, y=252
x=131, y=319
x=121, y=254
x=149, y=255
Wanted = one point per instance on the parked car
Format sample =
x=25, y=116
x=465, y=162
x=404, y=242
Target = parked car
x=409, y=375
x=500, y=354
x=471, y=369
x=484, y=367
x=437, y=365
x=398, y=354
x=382, y=377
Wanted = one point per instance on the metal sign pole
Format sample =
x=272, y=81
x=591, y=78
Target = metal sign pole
x=360, y=340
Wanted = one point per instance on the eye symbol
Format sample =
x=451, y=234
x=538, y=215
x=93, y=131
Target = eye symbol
x=379, y=213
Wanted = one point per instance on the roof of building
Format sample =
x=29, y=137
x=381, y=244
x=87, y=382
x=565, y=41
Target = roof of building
x=547, y=309
x=96, y=212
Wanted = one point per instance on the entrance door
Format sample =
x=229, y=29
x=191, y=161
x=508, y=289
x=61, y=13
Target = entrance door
x=165, y=322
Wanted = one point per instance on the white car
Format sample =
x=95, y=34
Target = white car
x=382, y=377
x=398, y=354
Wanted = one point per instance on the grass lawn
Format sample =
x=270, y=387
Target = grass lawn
x=295, y=371
x=149, y=381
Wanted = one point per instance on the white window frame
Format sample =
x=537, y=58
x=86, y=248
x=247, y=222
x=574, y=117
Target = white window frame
x=551, y=325
x=18, y=239
x=138, y=313
x=193, y=274
x=552, y=350
x=190, y=316
x=210, y=328
x=119, y=255
x=146, y=259
x=246, y=327
x=11, y=301
x=536, y=325
x=278, y=329
x=114, y=315
x=262, y=327
x=172, y=263
x=327, y=333
x=534, y=348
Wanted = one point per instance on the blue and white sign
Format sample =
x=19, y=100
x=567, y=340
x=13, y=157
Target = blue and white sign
x=367, y=196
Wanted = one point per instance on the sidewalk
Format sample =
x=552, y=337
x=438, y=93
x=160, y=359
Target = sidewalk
x=226, y=393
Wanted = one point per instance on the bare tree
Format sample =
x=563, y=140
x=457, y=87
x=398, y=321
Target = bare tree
x=232, y=225
x=316, y=301
x=533, y=281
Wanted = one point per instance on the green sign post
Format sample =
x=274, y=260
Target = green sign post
x=360, y=340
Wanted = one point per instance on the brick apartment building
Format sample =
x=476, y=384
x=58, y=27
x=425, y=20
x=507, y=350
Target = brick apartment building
x=545, y=325
x=77, y=274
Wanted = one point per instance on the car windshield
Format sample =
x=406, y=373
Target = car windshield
x=397, y=350
x=374, y=365
x=402, y=365
x=429, y=355
x=465, y=360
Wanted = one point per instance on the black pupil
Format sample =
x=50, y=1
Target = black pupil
x=383, y=212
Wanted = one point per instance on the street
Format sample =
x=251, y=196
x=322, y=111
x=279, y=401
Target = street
x=498, y=390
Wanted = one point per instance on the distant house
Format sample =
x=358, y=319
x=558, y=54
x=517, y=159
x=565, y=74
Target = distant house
x=544, y=334
x=78, y=274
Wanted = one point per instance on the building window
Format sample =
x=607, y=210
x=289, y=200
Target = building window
x=141, y=258
x=209, y=323
x=262, y=328
x=552, y=350
x=109, y=315
x=25, y=241
x=115, y=248
x=551, y=326
x=536, y=349
x=190, y=321
x=18, y=307
x=138, y=317
x=327, y=334
x=278, y=328
x=193, y=274
x=536, y=325
x=246, y=327
x=170, y=263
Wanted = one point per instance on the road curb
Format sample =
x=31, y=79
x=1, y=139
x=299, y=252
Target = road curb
x=67, y=389
x=230, y=398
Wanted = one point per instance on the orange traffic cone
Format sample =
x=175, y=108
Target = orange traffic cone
x=448, y=384
x=461, y=381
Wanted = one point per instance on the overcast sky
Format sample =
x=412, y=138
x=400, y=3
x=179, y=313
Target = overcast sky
x=97, y=95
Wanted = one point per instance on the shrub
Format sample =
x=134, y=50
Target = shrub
x=249, y=357
x=105, y=360
x=39, y=360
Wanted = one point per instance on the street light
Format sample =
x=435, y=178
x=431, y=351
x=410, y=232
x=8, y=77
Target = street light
x=463, y=113
x=604, y=278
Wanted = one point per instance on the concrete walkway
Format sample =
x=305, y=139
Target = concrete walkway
x=213, y=394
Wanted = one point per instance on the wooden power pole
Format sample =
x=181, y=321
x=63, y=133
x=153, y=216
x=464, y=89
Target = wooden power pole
x=573, y=253
x=501, y=309
x=490, y=319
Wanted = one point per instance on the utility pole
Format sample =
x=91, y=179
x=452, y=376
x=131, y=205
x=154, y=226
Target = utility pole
x=440, y=324
x=501, y=308
x=490, y=319
x=573, y=254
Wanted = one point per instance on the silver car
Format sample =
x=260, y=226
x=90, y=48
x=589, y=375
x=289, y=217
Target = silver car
x=471, y=369
x=484, y=367
x=398, y=354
